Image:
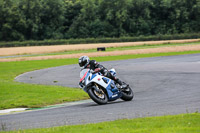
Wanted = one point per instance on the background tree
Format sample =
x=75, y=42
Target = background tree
x=65, y=19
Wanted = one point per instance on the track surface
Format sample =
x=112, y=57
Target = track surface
x=162, y=86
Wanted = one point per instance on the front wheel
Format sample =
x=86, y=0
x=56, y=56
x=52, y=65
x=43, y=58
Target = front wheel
x=98, y=95
x=127, y=95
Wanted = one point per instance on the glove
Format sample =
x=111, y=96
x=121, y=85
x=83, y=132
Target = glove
x=97, y=70
x=92, y=71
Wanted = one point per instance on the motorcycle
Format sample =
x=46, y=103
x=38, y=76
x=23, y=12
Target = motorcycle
x=102, y=89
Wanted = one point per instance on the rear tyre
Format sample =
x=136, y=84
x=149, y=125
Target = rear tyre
x=98, y=95
x=127, y=95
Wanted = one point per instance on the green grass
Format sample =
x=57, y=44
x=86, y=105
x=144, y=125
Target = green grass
x=14, y=94
x=183, y=123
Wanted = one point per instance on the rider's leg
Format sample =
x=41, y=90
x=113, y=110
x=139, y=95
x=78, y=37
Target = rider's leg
x=117, y=80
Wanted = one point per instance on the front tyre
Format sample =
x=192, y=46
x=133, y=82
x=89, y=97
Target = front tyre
x=127, y=95
x=98, y=95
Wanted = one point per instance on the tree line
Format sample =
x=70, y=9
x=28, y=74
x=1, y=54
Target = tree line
x=65, y=19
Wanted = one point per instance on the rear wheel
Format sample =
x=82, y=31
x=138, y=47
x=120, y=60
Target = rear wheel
x=98, y=95
x=127, y=94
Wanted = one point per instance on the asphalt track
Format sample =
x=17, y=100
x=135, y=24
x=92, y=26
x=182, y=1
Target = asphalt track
x=162, y=86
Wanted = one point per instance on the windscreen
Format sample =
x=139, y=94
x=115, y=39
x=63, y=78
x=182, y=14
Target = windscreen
x=83, y=73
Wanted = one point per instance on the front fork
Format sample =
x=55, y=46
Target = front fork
x=100, y=91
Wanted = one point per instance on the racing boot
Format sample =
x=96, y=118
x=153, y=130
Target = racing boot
x=123, y=85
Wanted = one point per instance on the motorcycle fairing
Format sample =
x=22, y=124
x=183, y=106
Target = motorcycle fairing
x=109, y=85
x=112, y=90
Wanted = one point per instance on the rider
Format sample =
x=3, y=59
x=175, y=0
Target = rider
x=85, y=62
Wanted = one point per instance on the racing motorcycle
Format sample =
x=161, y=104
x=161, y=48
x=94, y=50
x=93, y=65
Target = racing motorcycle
x=102, y=89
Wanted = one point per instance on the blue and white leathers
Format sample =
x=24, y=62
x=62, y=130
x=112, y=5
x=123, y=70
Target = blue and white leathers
x=89, y=79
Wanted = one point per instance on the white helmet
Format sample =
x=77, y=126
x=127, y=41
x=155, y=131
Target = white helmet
x=83, y=61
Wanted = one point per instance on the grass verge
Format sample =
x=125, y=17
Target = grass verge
x=183, y=123
x=14, y=94
x=99, y=40
x=144, y=46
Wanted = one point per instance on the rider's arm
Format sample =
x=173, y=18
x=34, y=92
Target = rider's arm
x=96, y=66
